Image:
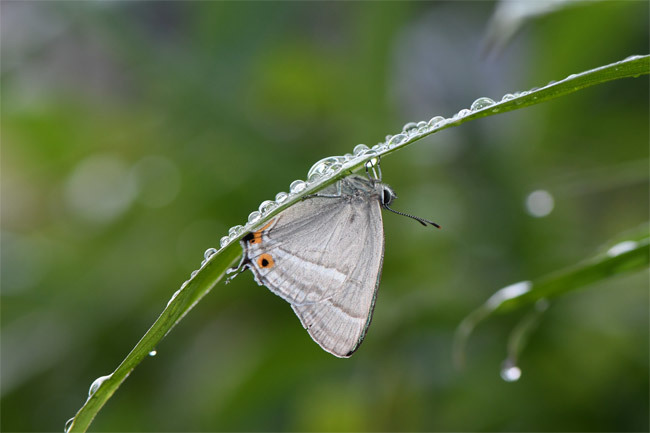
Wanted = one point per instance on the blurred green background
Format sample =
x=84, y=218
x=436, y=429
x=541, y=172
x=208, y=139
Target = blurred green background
x=134, y=134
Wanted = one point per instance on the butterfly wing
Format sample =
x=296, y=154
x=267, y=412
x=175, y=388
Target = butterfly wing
x=324, y=256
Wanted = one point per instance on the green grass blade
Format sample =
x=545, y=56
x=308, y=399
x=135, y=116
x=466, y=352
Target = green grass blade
x=183, y=301
x=323, y=173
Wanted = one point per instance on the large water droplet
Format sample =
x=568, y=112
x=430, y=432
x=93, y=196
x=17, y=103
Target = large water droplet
x=481, y=103
x=97, y=383
x=297, y=186
x=359, y=149
x=281, y=197
x=224, y=241
x=326, y=166
x=436, y=122
x=396, y=140
x=267, y=206
x=254, y=217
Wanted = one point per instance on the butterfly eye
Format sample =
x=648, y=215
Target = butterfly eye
x=387, y=196
x=265, y=261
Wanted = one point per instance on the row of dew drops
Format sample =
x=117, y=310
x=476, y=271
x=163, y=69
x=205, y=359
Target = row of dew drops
x=328, y=167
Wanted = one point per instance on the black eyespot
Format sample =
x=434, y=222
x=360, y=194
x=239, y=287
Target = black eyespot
x=265, y=263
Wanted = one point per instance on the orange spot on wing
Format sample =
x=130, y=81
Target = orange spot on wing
x=265, y=261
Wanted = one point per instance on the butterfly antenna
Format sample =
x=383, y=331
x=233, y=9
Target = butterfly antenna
x=418, y=219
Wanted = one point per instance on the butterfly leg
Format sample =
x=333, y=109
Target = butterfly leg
x=374, y=165
x=328, y=194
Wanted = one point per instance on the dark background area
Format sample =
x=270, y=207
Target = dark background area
x=134, y=134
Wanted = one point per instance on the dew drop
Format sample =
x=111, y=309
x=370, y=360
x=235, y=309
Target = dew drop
x=267, y=206
x=410, y=127
x=281, y=197
x=462, y=113
x=481, y=103
x=510, y=372
x=396, y=140
x=370, y=152
x=225, y=240
x=97, y=383
x=193, y=274
x=297, y=186
x=254, y=217
x=153, y=353
x=359, y=149
x=508, y=97
x=176, y=293
x=321, y=167
x=235, y=231
x=68, y=424
x=388, y=137
x=436, y=122
x=209, y=252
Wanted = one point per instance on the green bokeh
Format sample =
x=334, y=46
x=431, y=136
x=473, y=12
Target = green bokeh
x=134, y=134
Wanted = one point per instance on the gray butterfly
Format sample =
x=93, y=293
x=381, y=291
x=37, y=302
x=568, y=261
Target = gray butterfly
x=323, y=256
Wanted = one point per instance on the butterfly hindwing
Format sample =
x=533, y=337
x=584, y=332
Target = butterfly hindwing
x=324, y=255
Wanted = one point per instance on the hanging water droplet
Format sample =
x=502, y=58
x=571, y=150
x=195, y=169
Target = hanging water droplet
x=398, y=139
x=267, y=206
x=254, y=217
x=509, y=371
x=68, y=424
x=436, y=122
x=481, y=103
x=281, y=196
x=153, y=353
x=507, y=97
x=209, y=252
x=297, y=186
x=225, y=240
x=96, y=384
x=359, y=149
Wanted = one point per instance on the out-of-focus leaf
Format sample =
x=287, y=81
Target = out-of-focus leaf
x=623, y=257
